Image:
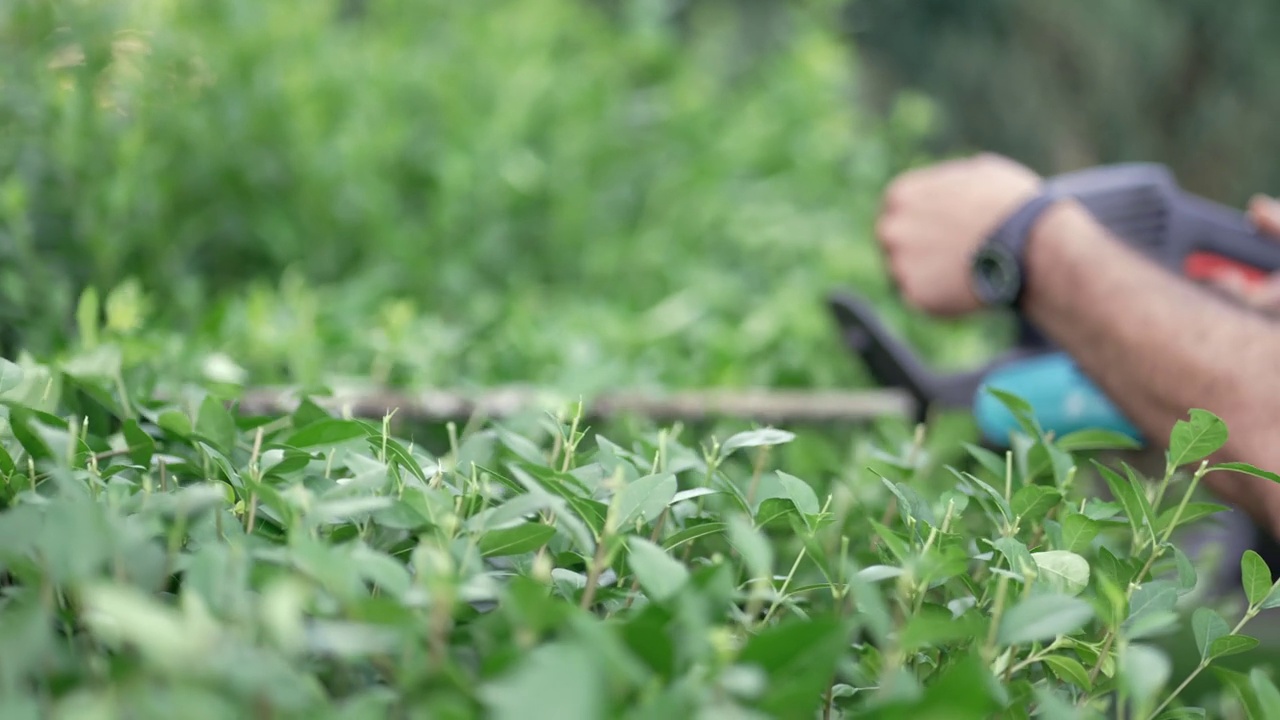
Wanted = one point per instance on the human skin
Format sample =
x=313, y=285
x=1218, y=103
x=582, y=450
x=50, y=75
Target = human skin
x=1156, y=344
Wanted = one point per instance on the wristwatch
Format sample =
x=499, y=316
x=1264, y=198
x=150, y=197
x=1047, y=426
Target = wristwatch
x=998, y=271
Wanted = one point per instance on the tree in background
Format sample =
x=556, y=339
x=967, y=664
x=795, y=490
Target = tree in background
x=1191, y=83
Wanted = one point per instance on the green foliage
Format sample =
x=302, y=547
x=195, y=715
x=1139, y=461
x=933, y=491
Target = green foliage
x=166, y=554
x=445, y=192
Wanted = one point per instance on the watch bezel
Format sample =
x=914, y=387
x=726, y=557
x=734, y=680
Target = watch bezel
x=997, y=275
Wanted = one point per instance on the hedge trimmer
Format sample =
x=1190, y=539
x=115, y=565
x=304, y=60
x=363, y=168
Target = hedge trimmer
x=1142, y=205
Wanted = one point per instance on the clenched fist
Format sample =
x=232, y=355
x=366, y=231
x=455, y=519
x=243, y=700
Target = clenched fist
x=934, y=219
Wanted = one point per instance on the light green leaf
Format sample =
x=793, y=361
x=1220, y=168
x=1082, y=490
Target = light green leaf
x=556, y=681
x=1196, y=438
x=1255, y=576
x=658, y=573
x=1065, y=571
x=1208, y=626
x=1096, y=439
x=756, y=551
x=800, y=493
x=1043, y=618
x=1144, y=670
x=11, y=375
x=1265, y=691
x=645, y=498
x=755, y=438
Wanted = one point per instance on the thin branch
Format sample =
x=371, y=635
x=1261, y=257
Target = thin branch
x=767, y=406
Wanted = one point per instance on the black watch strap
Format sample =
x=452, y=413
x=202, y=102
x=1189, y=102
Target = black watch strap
x=999, y=267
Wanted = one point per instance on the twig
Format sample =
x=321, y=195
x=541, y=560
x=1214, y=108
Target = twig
x=763, y=405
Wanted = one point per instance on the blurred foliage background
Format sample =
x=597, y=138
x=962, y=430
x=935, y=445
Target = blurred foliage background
x=576, y=192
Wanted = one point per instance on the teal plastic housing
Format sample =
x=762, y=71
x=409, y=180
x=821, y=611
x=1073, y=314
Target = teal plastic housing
x=1063, y=400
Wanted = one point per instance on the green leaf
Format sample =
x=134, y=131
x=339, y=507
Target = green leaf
x=798, y=657
x=1244, y=692
x=1020, y=560
x=1208, y=626
x=1065, y=571
x=141, y=445
x=658, y=573
x=1043, y=618
x=515, y=540
x=1078, y=532
x=800, y=493
x=1255, y=576
x=1231, y=645
x=692, y=533
x=11, y=376
x=935, y=626
x=1069, y=670
x=1033, y=502
x=1136, y=505
x=1192, y=512
x=560, y=680
x=756, y=551
x=1186, y=571
x=1022, y=411
x=1144, y=670
x=762, y=437
x=1247, y=469
x=1196, y=438
x=216, y=425
x=329, y=431
x=1096, y=439
x=644, y=499
x=1265, y=691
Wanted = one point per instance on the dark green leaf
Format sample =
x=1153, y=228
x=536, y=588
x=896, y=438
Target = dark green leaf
x=799, y=657
x=1231, y=645
x=1069, y=670
x=326, y=432
x=216, y=425
x=1248, y=469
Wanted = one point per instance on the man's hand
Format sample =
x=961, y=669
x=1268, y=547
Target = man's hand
x=934, y=219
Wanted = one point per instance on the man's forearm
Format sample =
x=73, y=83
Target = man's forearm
x=1155, y=343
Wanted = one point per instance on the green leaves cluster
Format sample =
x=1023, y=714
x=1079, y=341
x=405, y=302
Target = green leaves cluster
x=168, y=554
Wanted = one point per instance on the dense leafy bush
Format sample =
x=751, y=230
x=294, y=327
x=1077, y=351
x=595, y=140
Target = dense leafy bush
x=166, y=557
x=443, y=192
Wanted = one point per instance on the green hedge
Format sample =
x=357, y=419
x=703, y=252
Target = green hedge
x=546, y=190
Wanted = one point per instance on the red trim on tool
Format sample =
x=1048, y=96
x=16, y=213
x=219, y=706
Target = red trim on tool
x=1207, y=266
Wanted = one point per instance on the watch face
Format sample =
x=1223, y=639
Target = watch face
x=996, y=277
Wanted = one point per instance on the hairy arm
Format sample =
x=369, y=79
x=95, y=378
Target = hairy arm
x=1158, y=345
